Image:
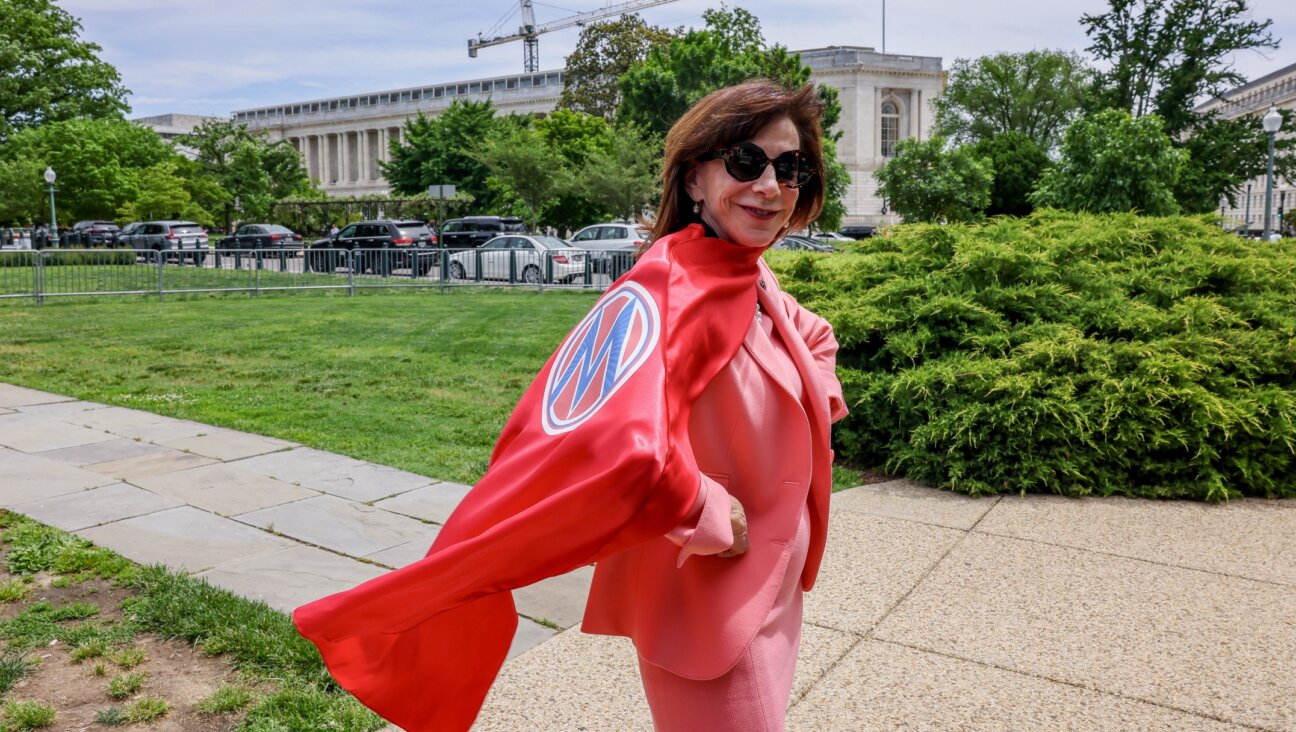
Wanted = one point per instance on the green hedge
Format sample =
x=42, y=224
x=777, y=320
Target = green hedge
x=1066, y=353
x=56, y=258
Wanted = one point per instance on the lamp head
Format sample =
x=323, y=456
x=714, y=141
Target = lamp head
x=1271, y=121
x=49, y=175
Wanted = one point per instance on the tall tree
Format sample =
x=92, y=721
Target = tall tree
x=577, y=137
x=98, y=162
x=253, y=171
x=1166, y=55
x=443, y=150
x=1018, y=163
x=522, y=165
x=162, y=192
x=1112, y=162
x=927, y=181
x=47, y=73
x=1037, y=94
x=603, y=53
x=622, y=180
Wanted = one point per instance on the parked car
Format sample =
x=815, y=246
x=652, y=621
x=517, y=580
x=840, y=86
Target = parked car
x=261, y=236
x=15, y=239
x=520, y=258
x=92, y=234
x=409, y=243
x=180, y=240
x=829, y=237
x=473, y=231
x=612, y=245
x=857, y=232
x=801, y=243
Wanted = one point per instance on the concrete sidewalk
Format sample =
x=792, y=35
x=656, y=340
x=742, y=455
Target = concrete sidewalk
x=933, y=610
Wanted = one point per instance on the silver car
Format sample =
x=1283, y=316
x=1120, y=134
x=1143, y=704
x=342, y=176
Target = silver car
x=177, y=239
x=520, y=258
x=612, y=245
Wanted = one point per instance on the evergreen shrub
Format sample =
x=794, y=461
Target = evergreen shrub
x=1070, y=353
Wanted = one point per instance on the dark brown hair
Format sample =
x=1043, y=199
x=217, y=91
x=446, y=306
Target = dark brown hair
x=729, y=116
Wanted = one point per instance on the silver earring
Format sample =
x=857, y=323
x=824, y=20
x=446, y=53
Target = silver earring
x=697, y=207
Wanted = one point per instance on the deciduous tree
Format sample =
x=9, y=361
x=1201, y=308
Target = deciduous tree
x=523, y=166
x=1037, y=94
x=1018, y=163
x=47, y=73
x=443, y=150
x=603, y=53
x=927, y=181
x=1112, y=162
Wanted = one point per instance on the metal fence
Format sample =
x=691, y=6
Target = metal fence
x=35, y=276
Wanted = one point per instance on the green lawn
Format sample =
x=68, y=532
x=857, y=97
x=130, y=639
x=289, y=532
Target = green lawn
x=421, y=381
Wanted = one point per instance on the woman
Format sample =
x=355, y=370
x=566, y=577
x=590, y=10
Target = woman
x=717, y=635
x=686, y=416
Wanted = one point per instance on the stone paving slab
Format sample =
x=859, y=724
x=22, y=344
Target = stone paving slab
x=227, y=444
x=59, y=409
x=527, y=636
x=558, y=599
x=870, y=563
x=407, y=553
x=1252, y=538
x=336, y=474
x=578, y=681
x=292, y=577
x=223, y=489
x=1203, y=643
x=184, y=538
x=83, y=509
x=6, y=410
x=118, y=420
x=17, y=396
x=29, y=478
x=431, y=503
x=343, y=526
x=880, y=687
x=905, y=499
x=158, y=463
x=120, y=448
x=166, y=430
x=36, y=434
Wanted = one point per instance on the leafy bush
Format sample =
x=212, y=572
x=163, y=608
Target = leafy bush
x=1068, y=353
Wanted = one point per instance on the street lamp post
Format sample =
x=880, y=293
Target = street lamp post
x=1271, y=122
x=49, y=178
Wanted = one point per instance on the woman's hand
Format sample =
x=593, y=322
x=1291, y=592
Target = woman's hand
x=737, y=519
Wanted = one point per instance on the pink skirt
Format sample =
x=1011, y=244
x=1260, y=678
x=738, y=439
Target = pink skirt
x=753, y=696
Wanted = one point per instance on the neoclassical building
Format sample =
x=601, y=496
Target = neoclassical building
x=1277, y=89
x=885, y=98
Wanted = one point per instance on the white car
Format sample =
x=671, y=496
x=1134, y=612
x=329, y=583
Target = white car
x=830, y=237
x=520, y=258
x=612, y=243
x=15, y=239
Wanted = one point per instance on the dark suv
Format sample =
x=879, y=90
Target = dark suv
x=92, y=234
x=473, y=231
x=408, y=241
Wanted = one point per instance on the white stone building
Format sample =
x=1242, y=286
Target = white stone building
x=171, y=126
x=1277, y=89
x=885, y=98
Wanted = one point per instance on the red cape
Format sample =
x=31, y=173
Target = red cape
x=594, y=459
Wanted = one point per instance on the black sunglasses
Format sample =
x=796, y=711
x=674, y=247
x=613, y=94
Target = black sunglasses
x=746, y=162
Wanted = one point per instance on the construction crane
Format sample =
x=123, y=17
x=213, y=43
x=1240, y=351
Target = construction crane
x=529, y=31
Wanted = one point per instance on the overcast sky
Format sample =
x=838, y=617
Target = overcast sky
x=216, y=56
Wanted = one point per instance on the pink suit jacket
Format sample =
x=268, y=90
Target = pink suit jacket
x=755, y=440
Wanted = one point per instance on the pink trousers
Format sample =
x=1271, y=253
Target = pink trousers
x=753, y=696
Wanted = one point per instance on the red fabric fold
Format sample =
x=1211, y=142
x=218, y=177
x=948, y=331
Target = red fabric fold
x=422, y=645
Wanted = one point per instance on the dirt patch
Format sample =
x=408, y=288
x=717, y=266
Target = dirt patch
x=174, y=670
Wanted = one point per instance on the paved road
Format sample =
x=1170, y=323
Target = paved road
x=934, y=611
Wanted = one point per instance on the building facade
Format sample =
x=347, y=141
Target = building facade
x=1278, y=90
x=172, y=126
x=885, y=98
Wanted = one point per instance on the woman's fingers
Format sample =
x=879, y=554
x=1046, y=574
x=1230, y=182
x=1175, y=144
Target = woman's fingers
x=738, y=520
